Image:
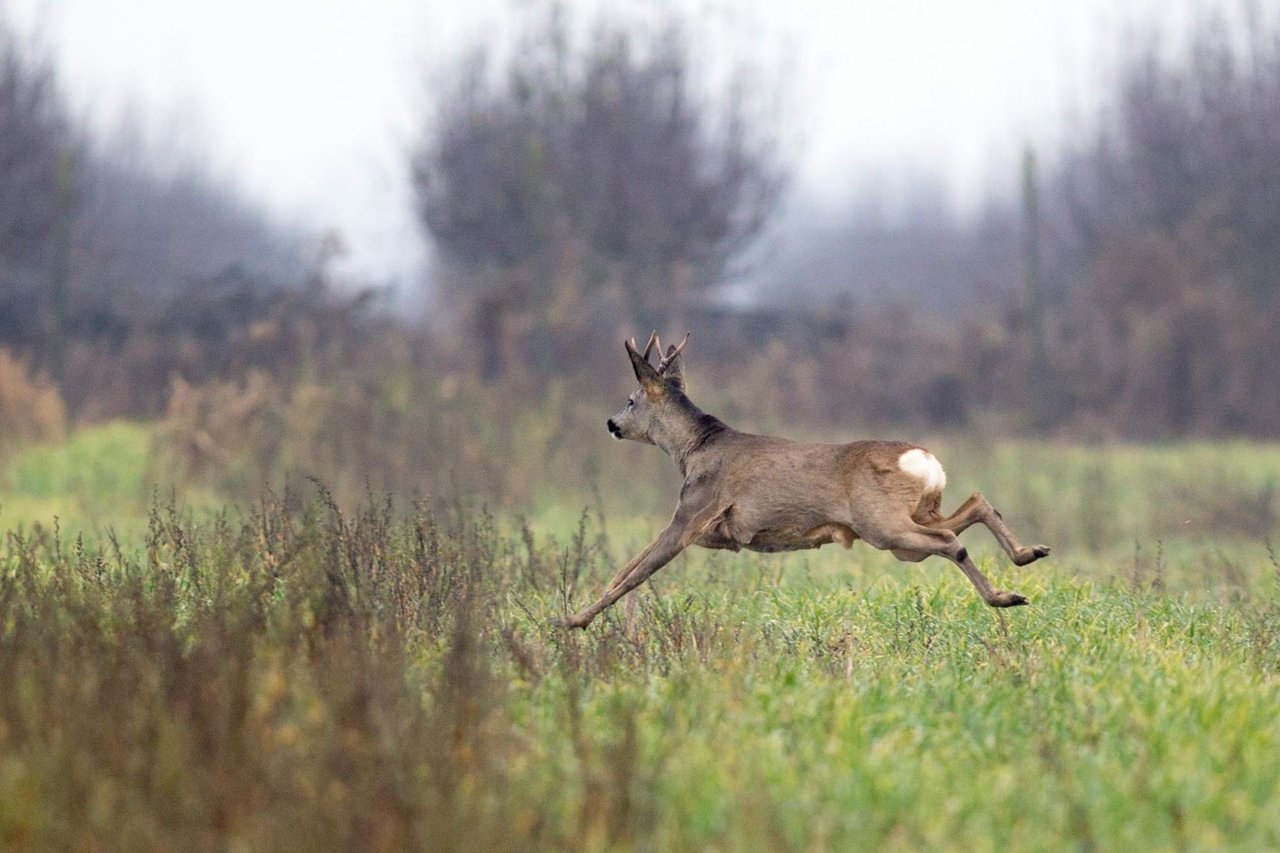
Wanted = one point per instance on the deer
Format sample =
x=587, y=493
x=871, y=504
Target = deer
x=767, y=494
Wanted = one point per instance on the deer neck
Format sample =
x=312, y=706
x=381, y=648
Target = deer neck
x=685, y=430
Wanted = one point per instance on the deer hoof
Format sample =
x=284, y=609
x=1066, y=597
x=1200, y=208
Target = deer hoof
x=1004, y=598
x=1030, y=555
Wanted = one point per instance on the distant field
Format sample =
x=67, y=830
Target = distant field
x=301, y=677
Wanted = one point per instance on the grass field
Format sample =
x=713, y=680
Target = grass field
x=289, y=675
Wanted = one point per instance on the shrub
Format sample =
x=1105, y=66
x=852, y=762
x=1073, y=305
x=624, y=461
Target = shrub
x=31, y=409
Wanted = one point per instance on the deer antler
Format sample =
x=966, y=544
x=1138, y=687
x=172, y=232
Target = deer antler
x=665, y=361
x=648, y=348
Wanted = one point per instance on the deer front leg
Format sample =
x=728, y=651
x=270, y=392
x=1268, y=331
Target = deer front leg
x=631, y=565
x=670, y=542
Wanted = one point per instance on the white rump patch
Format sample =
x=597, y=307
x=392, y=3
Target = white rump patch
x=922, y=465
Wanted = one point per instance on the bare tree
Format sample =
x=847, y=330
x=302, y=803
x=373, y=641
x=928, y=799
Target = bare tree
x=1168, y=223
x=1189, y=140
x=115, y=256
x=606, y=167
x=36, y=138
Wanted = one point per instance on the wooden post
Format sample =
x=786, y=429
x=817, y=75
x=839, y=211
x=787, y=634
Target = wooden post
x=1039, y=383
x=60, y=265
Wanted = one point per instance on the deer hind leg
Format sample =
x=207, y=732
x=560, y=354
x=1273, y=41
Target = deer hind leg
x=978, y=510
x=914, y=539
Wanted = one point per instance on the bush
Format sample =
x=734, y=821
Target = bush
x=31, y=409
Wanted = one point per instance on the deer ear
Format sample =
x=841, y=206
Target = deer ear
x=675, y=368
x=645, y=372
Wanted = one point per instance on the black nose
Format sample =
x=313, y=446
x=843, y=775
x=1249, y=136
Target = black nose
x=613, y=428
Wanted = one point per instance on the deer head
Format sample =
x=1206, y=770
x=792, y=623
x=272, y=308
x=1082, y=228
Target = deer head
x=660, y=397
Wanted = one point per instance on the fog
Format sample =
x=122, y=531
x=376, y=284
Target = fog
x=308, y=106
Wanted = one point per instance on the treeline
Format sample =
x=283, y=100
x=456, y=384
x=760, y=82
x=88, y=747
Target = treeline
x=1129, y=287
x=121, y=263
x=590, y=184
x=1163, y=240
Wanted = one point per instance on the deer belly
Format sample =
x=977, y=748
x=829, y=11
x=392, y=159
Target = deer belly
x=796, y=539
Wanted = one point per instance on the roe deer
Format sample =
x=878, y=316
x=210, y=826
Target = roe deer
x=770, y=494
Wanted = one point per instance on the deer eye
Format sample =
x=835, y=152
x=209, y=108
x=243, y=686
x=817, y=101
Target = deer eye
x=630, y=403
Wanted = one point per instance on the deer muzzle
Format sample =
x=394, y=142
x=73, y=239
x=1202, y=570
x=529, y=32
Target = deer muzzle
x=614, y=429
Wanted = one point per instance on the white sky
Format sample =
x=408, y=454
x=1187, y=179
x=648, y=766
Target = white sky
x=310, y=105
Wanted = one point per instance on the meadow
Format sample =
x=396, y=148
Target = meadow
x=299, y=671
x=291, y=508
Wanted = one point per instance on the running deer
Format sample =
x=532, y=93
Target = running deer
x=769, y=494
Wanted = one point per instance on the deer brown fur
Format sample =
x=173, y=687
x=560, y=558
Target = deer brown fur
x=770, y=494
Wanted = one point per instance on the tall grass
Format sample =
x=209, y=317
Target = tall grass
x=538, y=449
x=293, y=676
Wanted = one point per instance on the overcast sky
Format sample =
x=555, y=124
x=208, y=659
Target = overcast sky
x=309, y=105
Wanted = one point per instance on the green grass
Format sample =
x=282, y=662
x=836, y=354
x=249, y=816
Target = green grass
x=287, y=679
x=279, y=676
x=101, y=476
x=1094, y=497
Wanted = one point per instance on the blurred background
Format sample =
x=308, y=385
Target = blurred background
x=398, y=246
